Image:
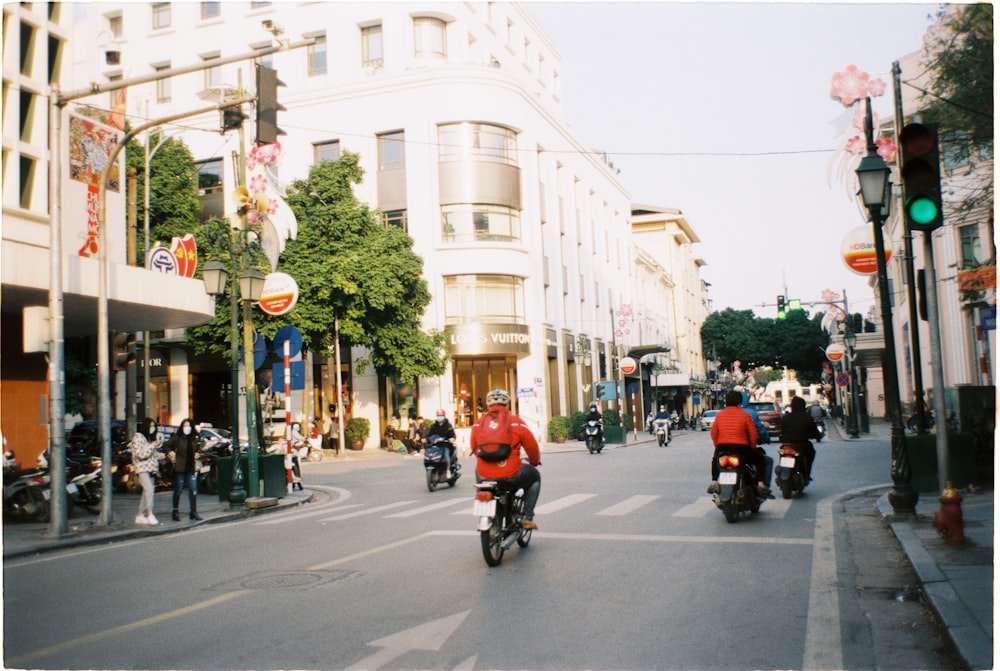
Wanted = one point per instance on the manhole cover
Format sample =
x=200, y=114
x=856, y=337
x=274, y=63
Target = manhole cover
x=284, y=580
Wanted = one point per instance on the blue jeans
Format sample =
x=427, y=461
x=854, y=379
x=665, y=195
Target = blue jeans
x=191, y=481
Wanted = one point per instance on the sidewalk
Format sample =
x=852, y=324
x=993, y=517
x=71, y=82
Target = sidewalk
x=957, y=581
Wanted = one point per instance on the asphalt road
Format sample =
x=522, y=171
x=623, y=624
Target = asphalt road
x=632, y=568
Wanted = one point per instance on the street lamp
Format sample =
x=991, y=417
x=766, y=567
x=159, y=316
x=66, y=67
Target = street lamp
x=250, y=286
x=850, y=340
x=873, y=178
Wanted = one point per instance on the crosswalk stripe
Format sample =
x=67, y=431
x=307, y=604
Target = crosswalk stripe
x=428, y=508
x=368, y=511
x=564, y=502
x=697, y=509
x=629, y=505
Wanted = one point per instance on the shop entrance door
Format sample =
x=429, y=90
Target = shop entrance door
x=474, y=377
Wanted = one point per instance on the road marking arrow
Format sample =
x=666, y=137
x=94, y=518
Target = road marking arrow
x=428, y=636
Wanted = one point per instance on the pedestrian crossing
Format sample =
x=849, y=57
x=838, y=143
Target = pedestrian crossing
x=579, y=503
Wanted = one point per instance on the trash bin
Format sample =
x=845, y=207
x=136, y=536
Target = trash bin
x=225, y=477
x=272, y=472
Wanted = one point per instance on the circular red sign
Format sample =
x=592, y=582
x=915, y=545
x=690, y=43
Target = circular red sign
x=627, y=365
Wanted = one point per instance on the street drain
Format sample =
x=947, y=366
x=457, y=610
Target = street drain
x=284, y=580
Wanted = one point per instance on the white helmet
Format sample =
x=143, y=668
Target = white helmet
x=498, y=397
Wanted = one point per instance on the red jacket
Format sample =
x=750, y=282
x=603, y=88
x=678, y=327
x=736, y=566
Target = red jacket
x=522, y=438
x=733, y=426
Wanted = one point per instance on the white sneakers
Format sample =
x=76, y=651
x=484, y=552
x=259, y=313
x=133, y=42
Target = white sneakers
x=150, y=521
x=141, y=519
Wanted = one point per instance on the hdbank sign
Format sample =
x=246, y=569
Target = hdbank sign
x=470, y=339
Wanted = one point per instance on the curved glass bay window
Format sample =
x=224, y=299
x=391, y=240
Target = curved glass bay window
x=469, y=141
x=467, y=222
x=494, y=299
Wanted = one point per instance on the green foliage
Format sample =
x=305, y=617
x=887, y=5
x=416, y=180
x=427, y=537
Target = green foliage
x=559, y=427
x=577, y=421
x=357, y=429
x=797, y=342
x=351, y=268
x=611, y=417
x=81, y=379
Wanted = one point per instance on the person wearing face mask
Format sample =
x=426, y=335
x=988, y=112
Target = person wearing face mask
x=184, y=444
x=145, y=462
x=442, y=427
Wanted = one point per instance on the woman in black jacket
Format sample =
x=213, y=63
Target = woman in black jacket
x=184, y=444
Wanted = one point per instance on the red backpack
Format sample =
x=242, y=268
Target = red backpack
x=494, y=437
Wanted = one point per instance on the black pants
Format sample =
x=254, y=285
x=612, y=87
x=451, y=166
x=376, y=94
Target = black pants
x=762, y=463
x=529, y=479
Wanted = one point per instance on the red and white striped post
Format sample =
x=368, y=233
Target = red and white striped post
x=288, y=414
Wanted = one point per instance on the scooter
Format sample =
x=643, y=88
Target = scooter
x=821, y=427
x=738, y=491
x=788, y=475
x=594, y=436
x=23, y=497
x=436, y=464
x=662, y=428
x=499, y=510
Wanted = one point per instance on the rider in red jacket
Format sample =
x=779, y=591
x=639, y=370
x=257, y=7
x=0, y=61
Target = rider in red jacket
x=512, y=471
x=733, y=429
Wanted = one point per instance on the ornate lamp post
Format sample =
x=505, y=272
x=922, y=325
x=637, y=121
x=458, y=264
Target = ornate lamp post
x=850, y=340
x=249, y=287
x=873, y=178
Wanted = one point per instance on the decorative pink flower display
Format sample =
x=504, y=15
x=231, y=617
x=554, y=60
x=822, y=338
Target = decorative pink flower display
x=886, y=149
x=856, y=145
x=253, y=216
x=849, y=85
x=258, y=183
x=876, y=87
x=264, y=153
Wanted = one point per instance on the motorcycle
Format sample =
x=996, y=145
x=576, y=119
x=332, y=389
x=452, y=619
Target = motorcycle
x=594, y=436
x=499, y=511
x=737, y=491
x=788, y=475
x=436, y=464
x=821, y=427
x=23, y=497
x=662, y=429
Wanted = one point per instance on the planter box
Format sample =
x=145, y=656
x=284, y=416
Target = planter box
x=614, y=434
x=922, y=453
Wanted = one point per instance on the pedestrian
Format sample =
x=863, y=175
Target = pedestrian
x=144, y=447
x=184, y=444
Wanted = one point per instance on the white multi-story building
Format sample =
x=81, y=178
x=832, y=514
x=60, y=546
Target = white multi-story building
x=455, y=111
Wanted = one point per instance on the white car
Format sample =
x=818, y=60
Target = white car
x=707, y=419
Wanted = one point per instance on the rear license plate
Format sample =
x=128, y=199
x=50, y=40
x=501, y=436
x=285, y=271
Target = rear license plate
x=484, y=508
x=727, y=478
x=204, y=469
x=71, y=488
x=787, y=462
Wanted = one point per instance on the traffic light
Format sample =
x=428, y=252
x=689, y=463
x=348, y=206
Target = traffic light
x=794, y=304
x=781, y=307
x=232, y=117
x=921, y=174
x=268, y=105
x=123, y=350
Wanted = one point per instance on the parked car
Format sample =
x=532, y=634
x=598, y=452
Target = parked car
x=770, y=416
x=707, y=418
x=82, y=438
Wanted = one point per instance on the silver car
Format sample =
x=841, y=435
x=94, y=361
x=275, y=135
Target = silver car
x=707, y=419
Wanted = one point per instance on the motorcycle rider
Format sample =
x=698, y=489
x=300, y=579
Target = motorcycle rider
x=664, y=416
x=511, y=471
x=442, y=428
x=798, y=428
x=595, y=414
x=733, y=429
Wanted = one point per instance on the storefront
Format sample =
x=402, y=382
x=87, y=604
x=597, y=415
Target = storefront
x=484, y=357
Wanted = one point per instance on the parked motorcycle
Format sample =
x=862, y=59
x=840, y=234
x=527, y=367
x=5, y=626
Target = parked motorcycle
x=594, y=436
x=738, y=491
x=499, y=511
x=662, y=429
x=23, y=496
x=83, y=481
x=436, y=464
x=788, y=476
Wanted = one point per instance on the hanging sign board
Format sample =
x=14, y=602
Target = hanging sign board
x=835, y=352
x=627, y=365
x=280, y=294
x=858, y=251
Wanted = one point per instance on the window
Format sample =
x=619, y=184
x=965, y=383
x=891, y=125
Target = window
x=161, y=15
x=478, y=142
x=113, y=95
x=259, y=4
x=213, y=75
x=955, y=150
x=371, y=46
x=162, y=85
x=391, y=154
x=395, y=218
x=972, y=246
x=326, y=151
x=497, y=299
x=209, y=176
x=115, y=26
x=469, y=222
x=429, y=38
x=211, y=10
x=317, y=56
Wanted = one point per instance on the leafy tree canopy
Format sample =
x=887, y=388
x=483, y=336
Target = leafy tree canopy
x=349, y=267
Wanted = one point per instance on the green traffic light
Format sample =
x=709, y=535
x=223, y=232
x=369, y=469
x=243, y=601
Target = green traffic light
x=922, y=210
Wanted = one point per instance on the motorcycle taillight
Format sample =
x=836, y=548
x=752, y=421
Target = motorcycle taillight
x=729, y=461
x=484, y=496
x=788, y=451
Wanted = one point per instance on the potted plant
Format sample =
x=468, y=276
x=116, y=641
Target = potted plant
x=577, y=421
x=356, y=432
x=559, y=428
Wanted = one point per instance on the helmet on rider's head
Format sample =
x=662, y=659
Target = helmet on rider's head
x=662, y=408
x=498, y=397
x=593, y=407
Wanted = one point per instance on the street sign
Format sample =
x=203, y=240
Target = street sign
x=835, y=352
x=294, y=338
x=627, y=365
x=843, y=379
x=280, y=294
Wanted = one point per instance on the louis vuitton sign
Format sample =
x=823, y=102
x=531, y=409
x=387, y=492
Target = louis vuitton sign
x=468, y=339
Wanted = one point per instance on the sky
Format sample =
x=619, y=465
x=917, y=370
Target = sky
x=723, y=111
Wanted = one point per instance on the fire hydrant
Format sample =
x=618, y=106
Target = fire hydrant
x=948, y=520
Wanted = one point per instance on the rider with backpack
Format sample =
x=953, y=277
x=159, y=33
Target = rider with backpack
x=497, y=439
